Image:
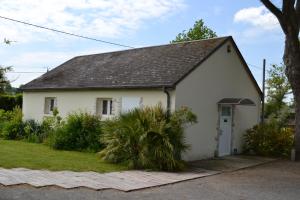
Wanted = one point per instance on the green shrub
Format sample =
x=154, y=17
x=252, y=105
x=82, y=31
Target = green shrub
x=36, y=132
x=9, y=102
x=147, y=138
x=269, y=139
x=80, y=132
x=13, y=128
x=49, y=125
x=5, y=116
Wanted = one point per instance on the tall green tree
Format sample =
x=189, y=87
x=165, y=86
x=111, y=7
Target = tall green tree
x=278, y=89
x=198, y=32
x=289, y=19
x=4, y=82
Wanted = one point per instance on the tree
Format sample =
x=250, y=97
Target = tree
x=198, y=32
x=278, y=89
x=4, y=83
x=289, y=19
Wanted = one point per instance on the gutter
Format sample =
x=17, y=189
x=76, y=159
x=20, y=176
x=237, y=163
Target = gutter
x=168, y=101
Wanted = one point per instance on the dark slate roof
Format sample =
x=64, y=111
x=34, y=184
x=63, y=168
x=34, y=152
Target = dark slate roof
x=148, y=67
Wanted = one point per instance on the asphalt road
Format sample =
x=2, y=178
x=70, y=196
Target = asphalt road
x=277, y=180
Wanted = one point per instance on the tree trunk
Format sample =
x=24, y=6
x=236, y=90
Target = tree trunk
x=297, y=133
x=292, y=61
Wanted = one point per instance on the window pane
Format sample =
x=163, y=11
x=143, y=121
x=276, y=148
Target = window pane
x=51, y=104
x=104, y=107
x=47, y=107
x=110, y=107
x=226, y=111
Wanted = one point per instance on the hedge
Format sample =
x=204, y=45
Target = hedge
x=9, y=102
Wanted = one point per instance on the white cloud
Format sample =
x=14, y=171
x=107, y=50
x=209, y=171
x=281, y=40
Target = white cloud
x=259, y=22
x=95, y=18
x=257, y=17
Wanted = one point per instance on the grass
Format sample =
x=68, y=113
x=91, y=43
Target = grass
x=38, y=156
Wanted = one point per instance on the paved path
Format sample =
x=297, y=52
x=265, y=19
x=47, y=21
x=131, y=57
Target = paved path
x=279, y=180
x=126, y=180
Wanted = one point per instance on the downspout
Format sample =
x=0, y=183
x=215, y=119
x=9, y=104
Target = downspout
x=168, y=101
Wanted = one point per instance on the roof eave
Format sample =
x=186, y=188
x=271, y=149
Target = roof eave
x=158, y=87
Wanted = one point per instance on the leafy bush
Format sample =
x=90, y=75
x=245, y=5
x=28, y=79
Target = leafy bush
x=36, y=132
x=5, y=116
x=9, y=102
x=269, y=139
x=147, y=138
x=81, y=131
x=13, y=128
x=49, y=125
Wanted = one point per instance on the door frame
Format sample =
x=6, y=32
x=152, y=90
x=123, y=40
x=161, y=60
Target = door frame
x=217, y=153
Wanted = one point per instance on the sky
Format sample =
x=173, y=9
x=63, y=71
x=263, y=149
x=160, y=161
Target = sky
x=134, y=23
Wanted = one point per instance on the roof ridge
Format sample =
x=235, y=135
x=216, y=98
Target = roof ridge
x=153, y=46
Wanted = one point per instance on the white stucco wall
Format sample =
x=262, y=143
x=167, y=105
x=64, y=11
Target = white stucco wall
x=70, y=101
x=220, y=76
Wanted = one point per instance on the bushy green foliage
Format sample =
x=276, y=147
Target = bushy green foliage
x=80, y=131
x=4, y=117
x=269, y=139
x=198, y=32
x=278, y=89
x=9, y=102
x=147, y=138
x=13, y=128
x=36, y=132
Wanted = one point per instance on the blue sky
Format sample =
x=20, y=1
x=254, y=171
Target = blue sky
x=130, y=22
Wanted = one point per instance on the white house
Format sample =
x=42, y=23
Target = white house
x=209, y=76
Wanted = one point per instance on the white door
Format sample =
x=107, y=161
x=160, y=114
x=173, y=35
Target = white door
x=225, y=130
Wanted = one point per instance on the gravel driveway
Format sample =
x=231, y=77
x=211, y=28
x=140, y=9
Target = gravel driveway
x=275, y=180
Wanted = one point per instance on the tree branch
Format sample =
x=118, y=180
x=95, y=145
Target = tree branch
x=277, y=12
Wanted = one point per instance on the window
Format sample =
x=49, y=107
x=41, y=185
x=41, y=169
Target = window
x=50, y=104
x=226, y=111
x=130, y=103
x=104, y=107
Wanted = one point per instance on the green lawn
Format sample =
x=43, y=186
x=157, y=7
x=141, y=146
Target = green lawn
x=38, y=156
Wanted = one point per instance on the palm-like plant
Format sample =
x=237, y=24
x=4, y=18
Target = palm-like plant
x=147, y=138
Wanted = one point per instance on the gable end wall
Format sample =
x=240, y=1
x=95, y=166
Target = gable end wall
x=222, y=75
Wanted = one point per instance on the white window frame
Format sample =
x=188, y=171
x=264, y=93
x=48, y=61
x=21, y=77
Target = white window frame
x=50, y=104
x=109, y=107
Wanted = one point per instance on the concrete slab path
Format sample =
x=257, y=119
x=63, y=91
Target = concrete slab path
x=230, y=163
x=126, y=180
